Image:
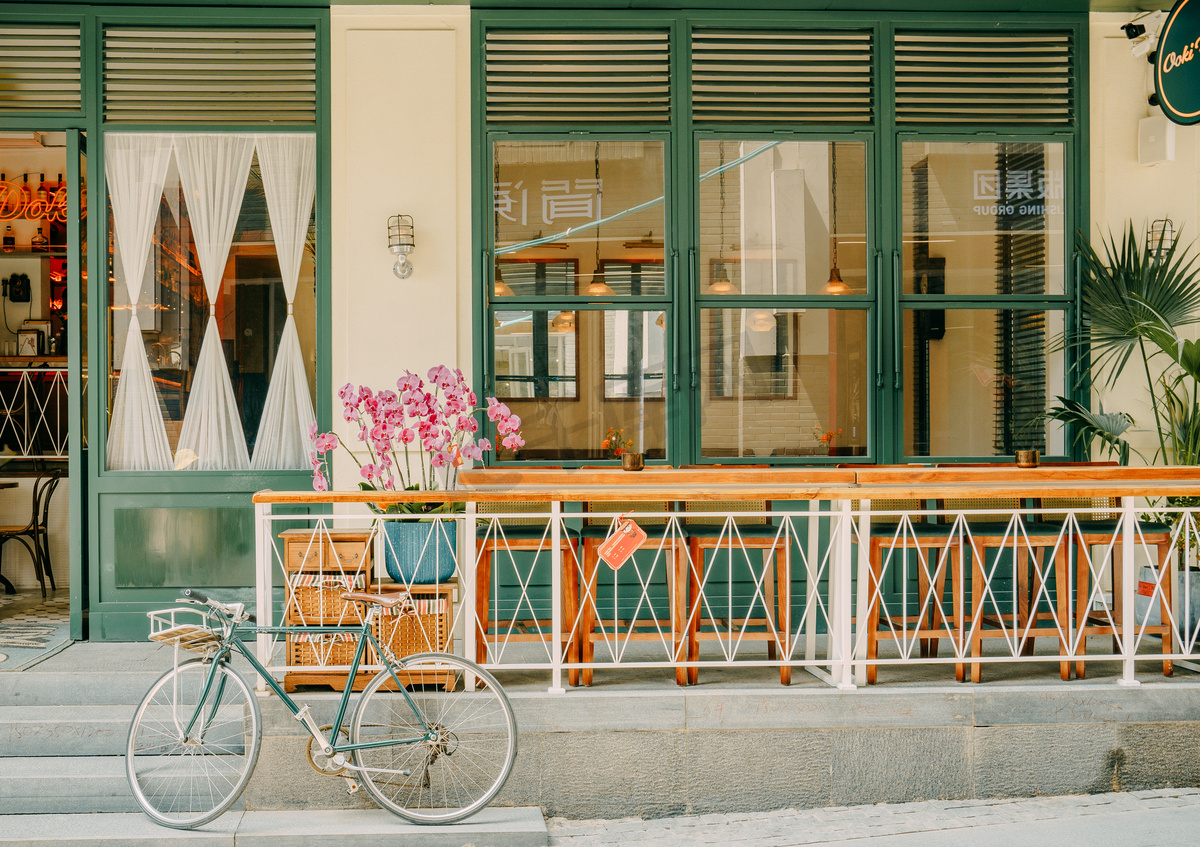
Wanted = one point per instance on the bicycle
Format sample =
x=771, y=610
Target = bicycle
x=432, y=753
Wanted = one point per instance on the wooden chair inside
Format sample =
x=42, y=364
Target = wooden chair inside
x=500, y=536
x=748, y=532
x=1103, y=530
x=33, y=535
x=658, y=533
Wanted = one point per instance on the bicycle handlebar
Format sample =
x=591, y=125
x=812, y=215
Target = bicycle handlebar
x=200, y=597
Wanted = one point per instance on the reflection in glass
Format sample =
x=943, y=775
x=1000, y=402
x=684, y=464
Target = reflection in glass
x=536, y=354
x=584, y=204
x=783, y=217
x=983, y=217
x=570, y=385
x=782, y=382
x=978, y=382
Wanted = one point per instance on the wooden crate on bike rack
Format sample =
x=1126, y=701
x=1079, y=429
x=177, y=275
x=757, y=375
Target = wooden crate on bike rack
x=319, y=566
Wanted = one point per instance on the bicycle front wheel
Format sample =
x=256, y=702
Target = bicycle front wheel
x=467, y=740
x=183, y=778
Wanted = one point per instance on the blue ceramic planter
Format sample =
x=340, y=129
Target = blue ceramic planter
x=420, y=552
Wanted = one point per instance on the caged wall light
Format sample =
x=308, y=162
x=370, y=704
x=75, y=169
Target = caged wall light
x=401, y=242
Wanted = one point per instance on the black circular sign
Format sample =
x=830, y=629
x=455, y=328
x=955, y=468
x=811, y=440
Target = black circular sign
x=1177, y=68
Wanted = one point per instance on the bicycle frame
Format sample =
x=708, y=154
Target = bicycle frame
x=230, y=643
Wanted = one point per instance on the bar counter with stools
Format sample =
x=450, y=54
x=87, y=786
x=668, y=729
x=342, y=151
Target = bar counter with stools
x=859, y=567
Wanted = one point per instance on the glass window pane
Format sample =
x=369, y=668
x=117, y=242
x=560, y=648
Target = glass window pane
x=783, y=217
x=983, y=217
x=580, y=206
x=783, y=382
x=571, y=375
x=977, y=382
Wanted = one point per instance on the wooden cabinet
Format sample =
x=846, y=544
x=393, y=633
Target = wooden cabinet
x=319, y=567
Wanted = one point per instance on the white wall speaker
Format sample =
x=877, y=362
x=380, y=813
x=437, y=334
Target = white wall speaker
x=1156, y=140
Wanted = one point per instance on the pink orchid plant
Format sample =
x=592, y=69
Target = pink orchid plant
x=436, y=421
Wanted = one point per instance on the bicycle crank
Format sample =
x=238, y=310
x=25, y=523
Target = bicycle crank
x=326, y=765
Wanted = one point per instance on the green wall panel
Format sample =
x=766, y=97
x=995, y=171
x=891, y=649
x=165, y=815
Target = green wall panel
x=182, y=547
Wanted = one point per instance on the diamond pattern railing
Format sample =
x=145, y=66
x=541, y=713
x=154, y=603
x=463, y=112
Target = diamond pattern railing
x=835, y=589
x=34, y=413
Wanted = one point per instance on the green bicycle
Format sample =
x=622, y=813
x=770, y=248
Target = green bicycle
x=432, y=751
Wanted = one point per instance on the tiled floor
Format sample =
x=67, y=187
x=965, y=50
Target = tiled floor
x=30, y=625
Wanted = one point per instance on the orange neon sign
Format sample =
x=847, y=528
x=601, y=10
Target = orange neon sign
x=13, y=205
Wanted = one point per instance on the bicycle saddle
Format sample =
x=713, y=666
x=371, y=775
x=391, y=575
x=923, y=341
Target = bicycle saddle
x=388, y=601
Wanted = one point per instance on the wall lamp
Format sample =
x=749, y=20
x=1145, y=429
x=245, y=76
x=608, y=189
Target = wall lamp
x=401, y=242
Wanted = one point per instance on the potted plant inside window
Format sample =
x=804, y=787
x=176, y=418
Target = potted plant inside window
x=415, y=439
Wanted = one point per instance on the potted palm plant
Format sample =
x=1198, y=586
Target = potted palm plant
x=1135, y=300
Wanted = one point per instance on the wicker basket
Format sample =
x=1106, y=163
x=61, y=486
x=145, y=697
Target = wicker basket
x=417, y=627
x=321, y=649
x=317, y=598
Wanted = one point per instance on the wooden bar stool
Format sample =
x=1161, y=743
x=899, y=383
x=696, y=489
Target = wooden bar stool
x=996, y=532
x=520, y=534
x=595, y=530
x=745, y=533
x=1101, y=530
x=930, y=623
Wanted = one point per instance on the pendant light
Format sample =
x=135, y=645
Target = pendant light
x=598, y=287
x=500, y=288
x=835, y=285
x=564, y=321
x=721, y=284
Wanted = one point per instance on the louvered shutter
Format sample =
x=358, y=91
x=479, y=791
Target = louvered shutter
x=210, y=76
x=1012, y=78
x=782, y=77
x=39, y=69
x=596, y=76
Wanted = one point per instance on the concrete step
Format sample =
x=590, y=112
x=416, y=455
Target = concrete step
x=64, y=730
x=50, y=785
x=76, y=688
x=493, y=827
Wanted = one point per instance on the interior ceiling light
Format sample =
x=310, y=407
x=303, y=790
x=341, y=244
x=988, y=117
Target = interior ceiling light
x=835, y=285
x=760, y=320
x=564, y=321
x=721, y=284
x=500, y=288
x=648, y=243
x=21, y=139
x=598, y=287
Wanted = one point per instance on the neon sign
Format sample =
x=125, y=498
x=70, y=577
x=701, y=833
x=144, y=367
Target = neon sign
x=1176, y=71
x=14, y=206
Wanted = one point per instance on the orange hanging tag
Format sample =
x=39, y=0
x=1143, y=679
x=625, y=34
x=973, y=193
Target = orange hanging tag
x=621, y=543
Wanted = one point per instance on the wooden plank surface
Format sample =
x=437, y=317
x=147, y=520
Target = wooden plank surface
x=731, y=483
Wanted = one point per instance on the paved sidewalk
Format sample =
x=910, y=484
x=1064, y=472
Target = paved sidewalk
x=1155, y=818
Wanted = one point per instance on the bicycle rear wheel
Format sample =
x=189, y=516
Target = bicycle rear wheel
x=469, y=751
x=183, y=782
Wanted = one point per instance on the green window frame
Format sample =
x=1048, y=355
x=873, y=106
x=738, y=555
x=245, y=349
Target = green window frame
x=1037, y=110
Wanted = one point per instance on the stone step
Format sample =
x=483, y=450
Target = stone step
x=495, y=827
x=64, y=730
x=76, y=688
x=50, y=785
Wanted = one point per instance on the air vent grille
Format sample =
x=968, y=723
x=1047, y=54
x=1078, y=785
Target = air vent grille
x=39, y=69
x=219, y=76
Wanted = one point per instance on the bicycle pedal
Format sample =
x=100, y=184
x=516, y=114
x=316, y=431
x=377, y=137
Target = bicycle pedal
x=351, y=786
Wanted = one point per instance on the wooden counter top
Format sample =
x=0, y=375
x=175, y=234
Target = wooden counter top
x=779, y=484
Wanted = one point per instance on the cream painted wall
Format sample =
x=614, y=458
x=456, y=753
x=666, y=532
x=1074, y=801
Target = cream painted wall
x=401, y=144
x=1123, y=190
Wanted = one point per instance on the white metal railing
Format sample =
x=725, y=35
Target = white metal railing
x=834, y=588
x=34, y=412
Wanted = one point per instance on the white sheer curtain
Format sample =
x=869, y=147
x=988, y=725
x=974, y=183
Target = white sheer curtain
x=289, y=172
x=135, y=167
x=213, y=170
